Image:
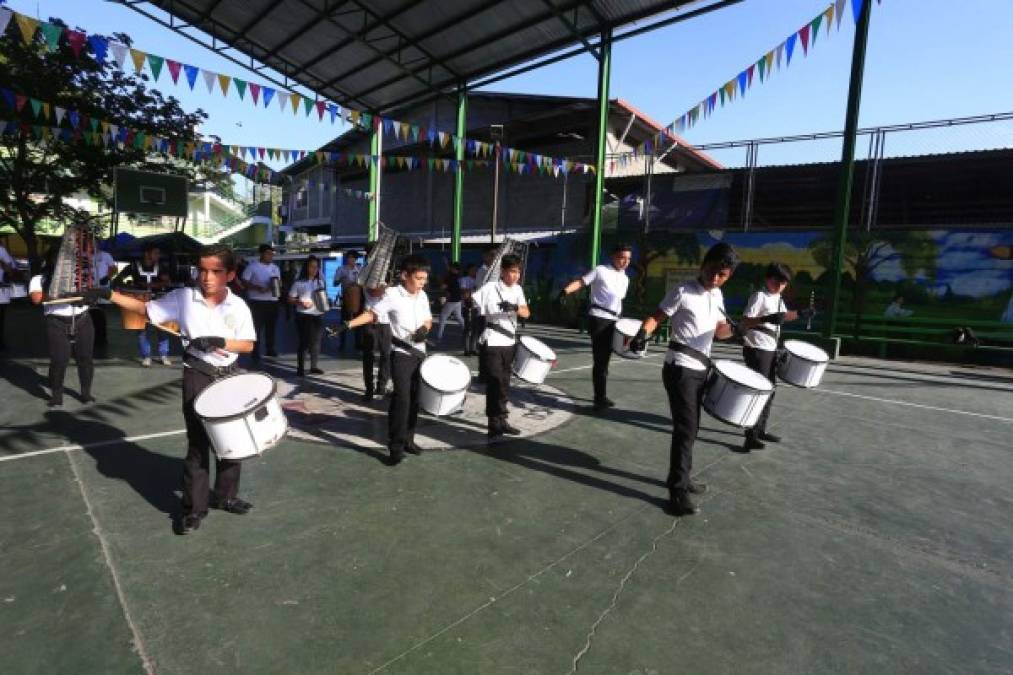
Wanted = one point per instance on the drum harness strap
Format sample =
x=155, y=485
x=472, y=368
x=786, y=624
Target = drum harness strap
x=501, y=329
x=675, y=345
x=205, y=368
x=408, y=347
x=595, y=305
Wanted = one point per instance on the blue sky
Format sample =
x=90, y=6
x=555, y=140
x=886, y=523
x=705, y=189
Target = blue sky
x=927, y=59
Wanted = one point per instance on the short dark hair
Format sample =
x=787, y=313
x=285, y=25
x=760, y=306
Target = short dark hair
x=221, y=251
x=414, y=263
x=150, y=246
x=621, y=247
x=721, y=254
x=351, y=253
x=510, y=261
x=779, y=271
x=264, y=247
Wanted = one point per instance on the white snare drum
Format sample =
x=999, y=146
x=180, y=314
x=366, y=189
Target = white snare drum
x=321, y=302
x=443, y=384
x=241, y=415
x=802, y=364
x=625, y=331
x=736, y=393
x=5, y=294
x=18, y=291
x=533, y=360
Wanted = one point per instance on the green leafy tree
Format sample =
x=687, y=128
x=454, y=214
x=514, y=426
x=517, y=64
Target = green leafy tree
x=40, y=170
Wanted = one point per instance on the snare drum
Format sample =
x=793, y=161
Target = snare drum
x=736, y=394
x=625, y=331
x=802, y=364
x=443, y=384
x=533, y=360
x=321, y=301
x=241, y=415
x=134, y=320
x=5, y=294
x=275, y=287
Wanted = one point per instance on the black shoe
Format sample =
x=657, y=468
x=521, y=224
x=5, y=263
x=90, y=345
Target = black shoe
x=300, y=372
x=679, y=504
x=272, y=354
x=508, y=428
x=316, y=371
x=189, y=523
x=412, y=448
x=55, y=404
x=697, y=488
x=767, y=436
x=751, y=443
x=368, y=396
x=603, y=404
x=234, y=505
x=87, y=398
x=395, y=458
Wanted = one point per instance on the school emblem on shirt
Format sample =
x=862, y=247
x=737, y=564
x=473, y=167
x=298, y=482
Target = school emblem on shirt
x=230, y=320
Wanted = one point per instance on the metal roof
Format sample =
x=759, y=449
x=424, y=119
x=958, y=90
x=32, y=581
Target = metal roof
x=378, y=54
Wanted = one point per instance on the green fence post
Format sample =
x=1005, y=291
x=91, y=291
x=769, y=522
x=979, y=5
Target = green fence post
x=462, y=130
x=604, y=73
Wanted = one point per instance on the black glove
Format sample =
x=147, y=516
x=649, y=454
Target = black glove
x=508, y=306
x=208, y=342
x=420, y=334
x=93, y=295
x=335, y=331
x=639, y=341
x=776, y=319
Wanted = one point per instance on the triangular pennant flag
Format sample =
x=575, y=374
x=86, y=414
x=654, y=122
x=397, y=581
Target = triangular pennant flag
x=209, y=79
x=191, y=72
x=5, y=19
x=761, y=65
x=294, y=99
x=282, y=100
x=790, y=46
x=840, y=12
x=28, y=25
x=320, y=106
x=780, y=53
x=138, y=57
x=308, y=105
x=803, y=33
x=743, y=79
x=255, y=92
x=828, y=16
x=856, y=9
x=223, y=82
x=60, y=112
x=52, y=33
x=45, y=111
x=19, y=102
x=268, y=95
x=76, y=40
x=174, y=68
x=769, y=60
x=99, y=47
x=240, y=87
x=155, y=63
x=36, y=107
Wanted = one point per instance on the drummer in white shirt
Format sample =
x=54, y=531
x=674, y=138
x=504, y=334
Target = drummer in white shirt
x=761, y=341
x=309, y=321
x=258, y=278
x=609, y=284
x=500, y=302
x=375, y=338
x=216, y=326
x=407, y=308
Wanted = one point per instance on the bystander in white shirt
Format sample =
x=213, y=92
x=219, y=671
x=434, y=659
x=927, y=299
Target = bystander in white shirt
x=260, y=274
x=303, y=290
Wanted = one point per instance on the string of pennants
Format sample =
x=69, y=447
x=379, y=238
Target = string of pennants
x=102, y=48
x=760, y=71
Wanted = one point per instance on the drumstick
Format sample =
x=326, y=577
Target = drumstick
x=166, y=329
x=812, y=309
x=62, y=301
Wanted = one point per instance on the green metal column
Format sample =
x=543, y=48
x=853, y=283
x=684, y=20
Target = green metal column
x=604, y=73
x=842, y=210
x=462, y=130
x=375, y=150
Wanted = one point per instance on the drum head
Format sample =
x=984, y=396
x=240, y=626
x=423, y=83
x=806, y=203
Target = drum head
x=806, y=351
x=445, y=373
x=538, y=348
x=234, y=396
x=628, y=326
x=742, y=374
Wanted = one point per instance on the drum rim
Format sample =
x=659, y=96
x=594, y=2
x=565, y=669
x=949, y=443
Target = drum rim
x=727, y=421
x=236, y=416
x=714, y=369
x=615, y=326
x=426, y=382
x=803, y=358
x=520, y=341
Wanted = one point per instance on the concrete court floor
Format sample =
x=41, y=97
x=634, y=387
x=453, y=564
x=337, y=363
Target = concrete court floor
x=875, y=538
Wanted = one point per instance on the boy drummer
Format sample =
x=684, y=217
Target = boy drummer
x=407, y=309
x=217, y=326
x=500, y=302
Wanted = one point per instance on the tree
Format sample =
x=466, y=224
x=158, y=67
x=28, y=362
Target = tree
x=657, y=244
x=40, y=169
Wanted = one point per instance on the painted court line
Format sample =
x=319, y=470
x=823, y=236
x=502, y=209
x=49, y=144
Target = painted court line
x=97, y=444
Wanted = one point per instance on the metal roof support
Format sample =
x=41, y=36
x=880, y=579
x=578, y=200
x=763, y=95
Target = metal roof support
x=375, y=170
x=572, y=27
x=842, y=209
x=604, y=74
x=462, y=131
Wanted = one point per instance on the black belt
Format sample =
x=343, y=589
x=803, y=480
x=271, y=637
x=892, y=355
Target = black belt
x=766, y=331
x=206, y=368
x=690, y=351
x=604, y=309
x=407, y=346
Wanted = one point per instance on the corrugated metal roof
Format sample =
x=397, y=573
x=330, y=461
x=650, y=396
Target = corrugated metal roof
x=378, y=54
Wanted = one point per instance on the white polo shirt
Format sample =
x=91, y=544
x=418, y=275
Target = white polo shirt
x=608, y=288
x=480, y=275
x=487, y=301
x=406, y=313
x=103, y=263
x=371, y=303
x=230, y=319
x=5, y=258
x=346, y=275
x=303, y=290
x=61, y=309
x=694, y=314
x=467, y=283
x=762, y=303
x=260, y=274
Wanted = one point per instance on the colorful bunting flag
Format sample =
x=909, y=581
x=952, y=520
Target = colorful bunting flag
x=27, y=25
x=174, y=68
x=5, y=19
x=52, y=33
x=99, y=47
x=155, y=63
x=240, y=87
x=223, y=81
x=209, y=79
x=191, y=74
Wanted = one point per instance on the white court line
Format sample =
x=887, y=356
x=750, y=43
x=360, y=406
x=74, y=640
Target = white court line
x=97, y=444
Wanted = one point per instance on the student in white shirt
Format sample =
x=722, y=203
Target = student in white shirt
x=69, y=330
x=608, y=284
x=696, y=312
x=407, y=309
x=500, y=302
x=346, y=278
x=217, y=326
x=309, y=321
x=375, y=338
x=760, y=342
x=104, y=270
x=262, y=292
x=468, y=288
x=6, y=270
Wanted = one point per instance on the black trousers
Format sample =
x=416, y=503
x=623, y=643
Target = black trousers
x=196, y=466
x=98, y=320
x=66, y=336
x=685, y=388
x=471, y=323
x=764, y=362
x=3, y=323
x=376, y=338
x=310, y=328
x=348, y=315
x=265, y=320
x=404, y=404
x=498, y=367
x=601, y=350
